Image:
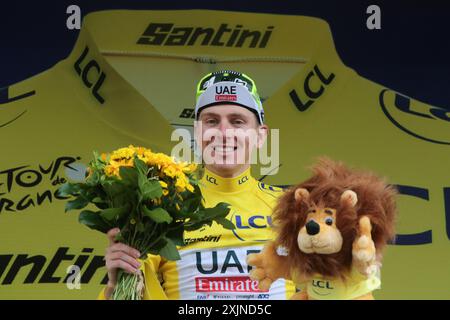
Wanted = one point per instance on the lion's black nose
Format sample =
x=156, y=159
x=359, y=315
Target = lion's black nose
x=312, y=228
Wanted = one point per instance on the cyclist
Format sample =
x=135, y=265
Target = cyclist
x=213, y=262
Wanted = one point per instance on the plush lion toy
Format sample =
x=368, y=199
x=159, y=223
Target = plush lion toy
x=331, y=231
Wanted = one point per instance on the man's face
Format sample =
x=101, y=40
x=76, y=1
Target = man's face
x=229, y=135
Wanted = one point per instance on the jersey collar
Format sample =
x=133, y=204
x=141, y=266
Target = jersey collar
x=217, y=183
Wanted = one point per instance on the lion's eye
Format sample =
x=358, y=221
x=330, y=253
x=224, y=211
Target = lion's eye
x=329, y=221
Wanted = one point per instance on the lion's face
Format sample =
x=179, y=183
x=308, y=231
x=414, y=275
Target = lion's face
x=320, y=234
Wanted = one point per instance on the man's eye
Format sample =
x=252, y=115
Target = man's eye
x=211, y=121
x=238, y=122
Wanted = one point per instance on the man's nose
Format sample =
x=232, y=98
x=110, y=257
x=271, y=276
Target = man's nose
x=224, y=126
x=312, y=228
x=226, y=131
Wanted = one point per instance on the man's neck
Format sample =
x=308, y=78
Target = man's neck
x=232, y=173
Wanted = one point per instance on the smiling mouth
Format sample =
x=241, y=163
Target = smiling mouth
x=224, y=149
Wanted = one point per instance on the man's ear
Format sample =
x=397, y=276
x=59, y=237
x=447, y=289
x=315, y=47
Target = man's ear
x=197, y=138
x=198, y=130
x=263, y=131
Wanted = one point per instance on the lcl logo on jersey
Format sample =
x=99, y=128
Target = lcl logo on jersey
x=255, y=222
x=243, y=180
x=211, y=180
x=416, y=118
x=314, y=86
x=90, y=68
x=322, y=284
x=245, y=225
x=322, y=288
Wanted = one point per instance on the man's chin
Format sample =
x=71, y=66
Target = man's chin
x=226, y=169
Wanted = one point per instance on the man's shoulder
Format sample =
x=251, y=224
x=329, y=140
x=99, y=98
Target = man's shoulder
x=269, y=190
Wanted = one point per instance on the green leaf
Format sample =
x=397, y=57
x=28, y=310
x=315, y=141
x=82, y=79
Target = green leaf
x=113, y=188
x=100, y=203
x=205, y=216
x=170, y=251
x=94, y=221
x=192, y=201
x=68, y=189
x=140, y=166
x=98, y=200
x=142, y=181
x=158, y=245
x=96, y=155
x=94, y=178
x=227, y=224
x=176, y=234
x=129, y=176
x=128, y=197
x=101, y=206
x=150, y=189
x=159, y=215
x=113, y=214
x=79, y=203
x=190, y=226
x=220, y=210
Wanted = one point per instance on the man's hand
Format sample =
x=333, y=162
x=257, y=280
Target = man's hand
x=119, y=255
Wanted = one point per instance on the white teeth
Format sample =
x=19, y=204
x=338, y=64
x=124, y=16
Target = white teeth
x=224, y=149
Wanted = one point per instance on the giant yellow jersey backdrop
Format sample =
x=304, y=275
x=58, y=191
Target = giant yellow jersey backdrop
x=131, y=78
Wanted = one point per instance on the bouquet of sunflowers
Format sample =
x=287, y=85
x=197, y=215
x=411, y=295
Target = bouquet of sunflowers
x=150, y=197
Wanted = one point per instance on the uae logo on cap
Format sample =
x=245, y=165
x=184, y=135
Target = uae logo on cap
x=226, y=93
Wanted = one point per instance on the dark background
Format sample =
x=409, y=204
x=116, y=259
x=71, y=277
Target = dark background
x=410, y=54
